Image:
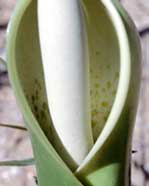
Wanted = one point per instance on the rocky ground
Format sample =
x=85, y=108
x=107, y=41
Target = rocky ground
x=16, y=145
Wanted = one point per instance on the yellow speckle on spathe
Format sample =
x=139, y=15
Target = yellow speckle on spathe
x=104, y=104
x=97, y=85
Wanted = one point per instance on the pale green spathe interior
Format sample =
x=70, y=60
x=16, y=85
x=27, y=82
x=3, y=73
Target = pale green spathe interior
x=30, y=69
x=104, y=63
x=104, y=67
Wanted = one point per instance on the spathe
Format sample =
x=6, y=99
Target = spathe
x=107, y=163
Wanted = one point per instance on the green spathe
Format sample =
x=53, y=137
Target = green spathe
x=118, y=54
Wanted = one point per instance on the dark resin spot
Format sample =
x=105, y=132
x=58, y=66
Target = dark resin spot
x=38, y=84
x=35, y=108
x=37, y=116
x=42, y=114
x=36, y=93
x=33, y=98
x=45, y=106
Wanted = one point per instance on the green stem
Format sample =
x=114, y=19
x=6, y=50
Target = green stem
x=13, y=127
x=18, y=163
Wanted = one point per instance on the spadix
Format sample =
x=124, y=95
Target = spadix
x=66, y=70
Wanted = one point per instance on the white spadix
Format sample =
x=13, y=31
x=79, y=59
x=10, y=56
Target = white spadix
x=66, y=69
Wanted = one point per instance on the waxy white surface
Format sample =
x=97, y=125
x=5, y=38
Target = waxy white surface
x=66, y=69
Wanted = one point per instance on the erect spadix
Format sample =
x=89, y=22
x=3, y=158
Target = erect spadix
x=66, y=69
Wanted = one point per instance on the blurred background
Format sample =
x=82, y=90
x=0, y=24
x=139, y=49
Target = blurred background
x=15, y=144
